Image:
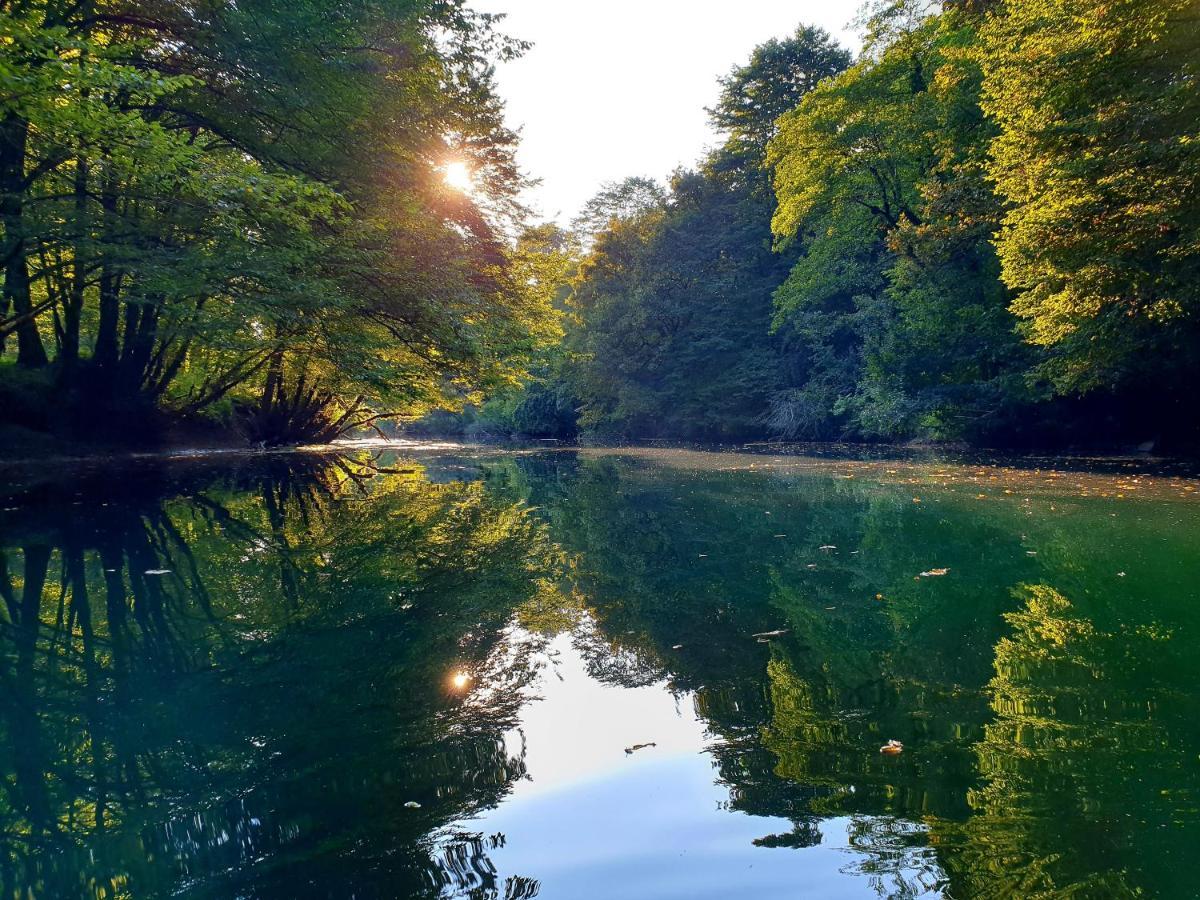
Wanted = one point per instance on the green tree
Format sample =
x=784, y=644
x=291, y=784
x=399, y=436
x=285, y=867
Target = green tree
x=755, y=95
x=244, y=211
x=1098, y=158
x=674, y=303
x=895, y=298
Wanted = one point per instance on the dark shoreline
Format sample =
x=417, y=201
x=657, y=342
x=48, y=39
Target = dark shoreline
x=70, y=454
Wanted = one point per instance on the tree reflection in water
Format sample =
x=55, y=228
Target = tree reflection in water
x=193, y=664
x=237, y=677
x=1048, y=749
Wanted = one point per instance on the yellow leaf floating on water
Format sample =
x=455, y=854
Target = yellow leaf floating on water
x=934, y=573
x=892, y=748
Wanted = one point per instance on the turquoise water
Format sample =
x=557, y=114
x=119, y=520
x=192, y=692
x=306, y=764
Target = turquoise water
x=428, y=671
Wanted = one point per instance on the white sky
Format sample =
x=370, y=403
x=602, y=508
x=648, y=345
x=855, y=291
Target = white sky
x=618, y=87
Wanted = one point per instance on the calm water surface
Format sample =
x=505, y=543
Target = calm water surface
x=426, y=672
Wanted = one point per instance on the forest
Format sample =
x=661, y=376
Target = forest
x=234, y=218
x=240, y=222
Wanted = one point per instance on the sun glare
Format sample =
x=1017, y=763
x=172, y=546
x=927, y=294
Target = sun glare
x=458, y=176
x=460, y=680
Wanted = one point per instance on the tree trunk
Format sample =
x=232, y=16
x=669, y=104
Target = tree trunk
x=73, y=307
x=14, y=134
x=105, y=353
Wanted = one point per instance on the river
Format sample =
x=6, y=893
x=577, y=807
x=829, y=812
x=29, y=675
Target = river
x=429, y=670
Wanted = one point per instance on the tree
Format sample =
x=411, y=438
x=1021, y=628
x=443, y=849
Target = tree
x=243, y=211
x=895, y=297
x=674, y=302
x=617, y=201
x=1098, y=159
x=754, y=96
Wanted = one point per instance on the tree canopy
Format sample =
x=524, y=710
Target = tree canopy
x=1098, y=158
x=983, y=229
x=293, y=222
x=241, y=209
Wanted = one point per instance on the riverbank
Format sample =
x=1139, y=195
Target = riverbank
x=21, y=444
x=1138, y=476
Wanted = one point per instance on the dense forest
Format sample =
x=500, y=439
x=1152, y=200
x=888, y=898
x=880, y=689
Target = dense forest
x=239, y=213
x=984, y=229
x=242, y=219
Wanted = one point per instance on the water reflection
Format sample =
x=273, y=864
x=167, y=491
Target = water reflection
x=371, y=675
x=233, y=682
x=681, y=567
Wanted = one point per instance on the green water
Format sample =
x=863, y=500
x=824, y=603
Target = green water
x=417, y=673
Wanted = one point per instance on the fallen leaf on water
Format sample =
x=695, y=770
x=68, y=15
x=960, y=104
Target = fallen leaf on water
x=933, y=573
x=891, y=748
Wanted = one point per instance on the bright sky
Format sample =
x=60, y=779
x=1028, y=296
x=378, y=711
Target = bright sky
x=619, y=87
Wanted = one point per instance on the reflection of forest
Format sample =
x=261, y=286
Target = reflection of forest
x=182, y=729
x=253, y=718
x=1049, y=742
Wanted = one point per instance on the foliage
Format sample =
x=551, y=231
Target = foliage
x=1098, y=157
x=985, y=231
x=880, y=176
x=674, y=300
x=539, y=402
x=619, y=201
x=755, y=95
x=247, y=207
